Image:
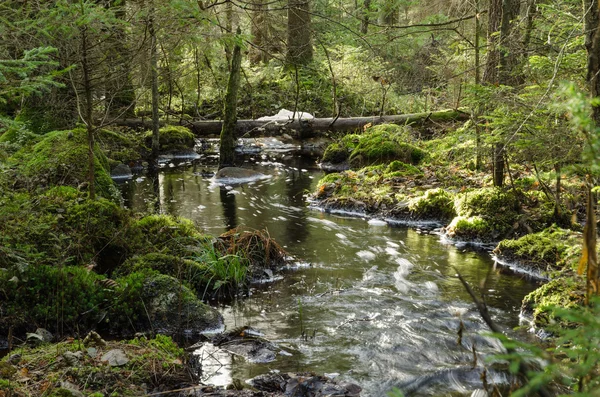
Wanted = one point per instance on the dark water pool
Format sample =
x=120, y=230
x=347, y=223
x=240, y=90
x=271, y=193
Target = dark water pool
x=378, y=305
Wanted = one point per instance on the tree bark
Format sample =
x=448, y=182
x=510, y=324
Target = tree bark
x=592, y=44
x=305, y=128
x=89, y=121
x=260, y=34
x=154, y=83
x=227, y=150
x=299, y=43
x=120, y=94
x=509, y=44
x=490, y=74
x=364, y=22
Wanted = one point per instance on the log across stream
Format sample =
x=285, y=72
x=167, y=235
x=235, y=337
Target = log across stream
x=305, y=127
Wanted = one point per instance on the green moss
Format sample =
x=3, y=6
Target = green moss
x=399, y=169
x=473, y=228
x=499, y=208
x=196, y=275
x=565, y=292
x=152, y=363
x=382, y=146
x=169, y=234
x=336, y=153
x=173, y=138
x=61, y=158
x=49, y=296
x=120, y=147
x=549, y=250
x=434, y=204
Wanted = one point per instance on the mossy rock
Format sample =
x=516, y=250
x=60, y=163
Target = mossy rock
x=173, y=138
x=550, y=250
x=473, y=228
x=120, y=147
x=499, y=209
x=385, y=143
x=564, y=292
x=399, y=169
x=61, y=158
x=151, y=301
x=335, y=154
x=434, y=204
x=197, y=275
x=169, y=234
x=36, y=293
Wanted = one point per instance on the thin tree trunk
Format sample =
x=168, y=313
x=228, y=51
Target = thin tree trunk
x=89, y=122
x=477, y=82
x=364, y=22
x=154, y=83
x=592, y=44
x=299, y=45
x=227, y=150
x=490, y=74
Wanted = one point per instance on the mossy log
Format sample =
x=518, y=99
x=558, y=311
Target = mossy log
x=304, y=128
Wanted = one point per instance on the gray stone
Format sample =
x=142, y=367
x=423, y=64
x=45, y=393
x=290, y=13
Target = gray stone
x=238, y=175
x=121, y=171
x=70, y=388
x=115, y=358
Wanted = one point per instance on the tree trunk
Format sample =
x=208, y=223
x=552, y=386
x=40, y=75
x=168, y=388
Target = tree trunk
x=389, y=12
x=154, y=83
x=364, y=22
x=490, y=74
x=227, y=150
x=592, y=44
x=120, y=94
x=509, y=54
x=299, y=43
x=89, y=122
x=260, y=34
x=477, y=82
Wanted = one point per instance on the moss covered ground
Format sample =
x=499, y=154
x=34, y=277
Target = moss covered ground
x=71, y=264
x=74, y=366
x=443, y=184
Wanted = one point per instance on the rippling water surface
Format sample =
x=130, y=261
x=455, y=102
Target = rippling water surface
x=378, y=305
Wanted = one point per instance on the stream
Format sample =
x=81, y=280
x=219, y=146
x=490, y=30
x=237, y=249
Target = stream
x=372, y=304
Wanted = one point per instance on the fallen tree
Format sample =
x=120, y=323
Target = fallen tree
x=305, y=127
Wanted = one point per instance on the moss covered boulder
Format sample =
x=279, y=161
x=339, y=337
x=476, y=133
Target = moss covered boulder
x=487, y=214
x=436, y=204
x=551, y=250
x=150, y=301
x=564, y=292
x=167, y=234
x=383, y=144
x=61, y=158
x=173, y=138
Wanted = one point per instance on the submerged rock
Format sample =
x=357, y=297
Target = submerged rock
x=238, y=175
x=121, y=171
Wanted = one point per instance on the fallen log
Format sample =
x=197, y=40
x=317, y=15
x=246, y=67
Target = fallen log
x=303, y=128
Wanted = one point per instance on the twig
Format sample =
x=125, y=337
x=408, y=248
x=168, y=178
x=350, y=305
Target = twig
x=524, y=368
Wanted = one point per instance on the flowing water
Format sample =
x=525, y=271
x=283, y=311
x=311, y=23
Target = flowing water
x=376, y=304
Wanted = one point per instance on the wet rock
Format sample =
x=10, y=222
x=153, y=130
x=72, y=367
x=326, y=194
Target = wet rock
x=304, y=385
x=121, y=171
x=173, y=308
x=238, y=175
x=247, y=343
x=115, y=358
x=330, y=167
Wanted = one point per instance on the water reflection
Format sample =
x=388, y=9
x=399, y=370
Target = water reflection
x=379, y=305
x=229, y=208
